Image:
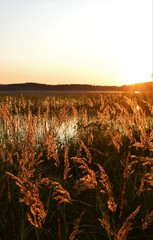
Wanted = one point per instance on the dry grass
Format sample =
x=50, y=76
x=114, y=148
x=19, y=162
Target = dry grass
x=51, y=173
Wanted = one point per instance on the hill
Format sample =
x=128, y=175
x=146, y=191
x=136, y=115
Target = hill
x=142, y=87
x=35, y=87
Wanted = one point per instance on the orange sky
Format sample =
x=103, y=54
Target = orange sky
x=107, y=42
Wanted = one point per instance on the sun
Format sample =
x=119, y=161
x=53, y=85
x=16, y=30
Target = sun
x=133, y=78
x=132, y=74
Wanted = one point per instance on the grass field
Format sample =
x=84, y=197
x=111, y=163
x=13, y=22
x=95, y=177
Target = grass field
x=76, y=167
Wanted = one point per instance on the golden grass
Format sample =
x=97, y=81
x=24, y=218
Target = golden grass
x=24, y=152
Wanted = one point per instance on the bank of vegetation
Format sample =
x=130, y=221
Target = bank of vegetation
x=40, y=88
x=93, y=182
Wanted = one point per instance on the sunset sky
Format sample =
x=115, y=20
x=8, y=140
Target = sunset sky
x=98, y=42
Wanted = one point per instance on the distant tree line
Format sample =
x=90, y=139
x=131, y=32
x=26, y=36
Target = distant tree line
x=74, y=87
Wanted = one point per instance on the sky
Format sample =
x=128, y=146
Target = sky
x=98, y=42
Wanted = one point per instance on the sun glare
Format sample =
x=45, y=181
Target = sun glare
x=86, y=42
x=135, y=69
x=133, y=77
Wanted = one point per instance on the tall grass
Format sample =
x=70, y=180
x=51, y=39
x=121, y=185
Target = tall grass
x=93, y=184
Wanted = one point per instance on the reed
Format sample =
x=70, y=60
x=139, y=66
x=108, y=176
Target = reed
x=96, y=183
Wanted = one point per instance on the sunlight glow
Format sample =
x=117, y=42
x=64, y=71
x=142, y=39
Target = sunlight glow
x=93, y=42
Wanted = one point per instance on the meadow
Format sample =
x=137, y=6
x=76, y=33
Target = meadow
x=76, y=167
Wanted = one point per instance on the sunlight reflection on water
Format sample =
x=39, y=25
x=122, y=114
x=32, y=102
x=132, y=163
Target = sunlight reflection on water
x=67, y=130
x=62, y=132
